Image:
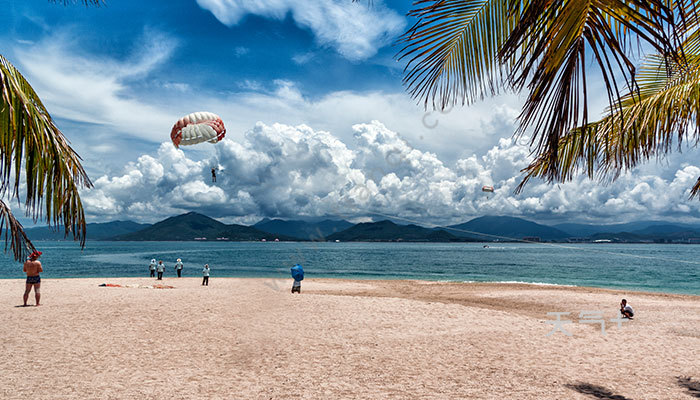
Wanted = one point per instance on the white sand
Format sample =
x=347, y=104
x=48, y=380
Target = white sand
x=252, y=339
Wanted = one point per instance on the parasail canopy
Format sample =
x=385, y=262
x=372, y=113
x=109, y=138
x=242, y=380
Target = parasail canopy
x=196, y=128
x=297, y=273
x=487, y=189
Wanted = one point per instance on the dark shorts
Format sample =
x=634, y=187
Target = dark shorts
x=34, y=279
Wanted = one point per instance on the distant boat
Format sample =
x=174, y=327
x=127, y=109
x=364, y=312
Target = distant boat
x=337, y=241
x=263, y=240
x=602, y=241
x=200, y=238
x=222, y=238
x=277, y=240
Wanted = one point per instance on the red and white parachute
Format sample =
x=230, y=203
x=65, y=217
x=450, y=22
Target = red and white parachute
x=196, y=128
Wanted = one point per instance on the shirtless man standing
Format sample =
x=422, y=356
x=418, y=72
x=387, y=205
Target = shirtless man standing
x=33, y=267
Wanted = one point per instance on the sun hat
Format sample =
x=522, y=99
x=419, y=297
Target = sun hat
x=35, y=254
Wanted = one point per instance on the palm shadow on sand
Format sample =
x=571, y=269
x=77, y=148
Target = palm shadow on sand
x=595, y=391
x=693, y=387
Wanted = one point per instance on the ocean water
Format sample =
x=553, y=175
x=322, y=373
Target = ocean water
x=649, y=267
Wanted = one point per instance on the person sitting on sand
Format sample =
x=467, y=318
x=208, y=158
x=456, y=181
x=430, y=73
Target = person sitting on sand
x=178, y=268
x=205, y=275
x=160, y=268
x=33, y=267
x=626, y=310
x=152, y=267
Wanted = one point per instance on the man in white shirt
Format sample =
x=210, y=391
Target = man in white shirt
x=178, y=268
x=626, y=310
x=205, y=275
x=152, y=267
x=160, y=268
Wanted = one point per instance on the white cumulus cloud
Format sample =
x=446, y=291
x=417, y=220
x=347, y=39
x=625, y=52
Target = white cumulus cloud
x=288, y=171
x=355, y=30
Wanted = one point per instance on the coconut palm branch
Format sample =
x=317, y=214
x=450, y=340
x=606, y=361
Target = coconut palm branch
x=452, y=50
x=653, y=121
x=459, y=51
x=37, y=161
x=552, y=44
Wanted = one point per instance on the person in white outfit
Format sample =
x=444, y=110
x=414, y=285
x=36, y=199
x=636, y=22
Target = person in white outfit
x=205, y=275
x=178, y=267
x=160, y=268
x=152, y=267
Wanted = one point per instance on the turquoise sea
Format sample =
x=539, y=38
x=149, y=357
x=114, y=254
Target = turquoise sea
x=650, y=267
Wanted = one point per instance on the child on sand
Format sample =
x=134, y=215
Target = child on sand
x=205, y=275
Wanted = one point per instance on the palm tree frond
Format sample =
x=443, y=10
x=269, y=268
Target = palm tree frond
x=664, y=110
x=551, y=44
x=452, y=50
x=31, y=144
x=14, y=233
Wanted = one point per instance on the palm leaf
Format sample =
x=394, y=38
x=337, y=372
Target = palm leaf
x=553, y=42
x=31, y=146
x=664, y=110
x=14, y=233
x=452, y=50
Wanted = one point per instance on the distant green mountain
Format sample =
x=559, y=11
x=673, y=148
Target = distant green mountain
x=385, y=231
x=641, y=227
x=301, y=229
x=192, y=226
x=95, y=231
x=648, y=235
x=505, y=228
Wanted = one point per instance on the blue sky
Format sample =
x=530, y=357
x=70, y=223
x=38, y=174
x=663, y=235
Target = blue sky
x=318, y=122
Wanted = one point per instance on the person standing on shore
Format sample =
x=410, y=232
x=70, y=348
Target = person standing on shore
x=33, y=267
x=152, y=267
x=178, y=268
x=298, y=276
x=205, y=275
x=160, y=268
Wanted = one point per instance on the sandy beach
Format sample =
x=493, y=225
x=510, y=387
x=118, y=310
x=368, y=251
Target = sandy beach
x=252, y=339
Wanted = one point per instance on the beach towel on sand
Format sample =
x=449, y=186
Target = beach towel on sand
x=156, y=286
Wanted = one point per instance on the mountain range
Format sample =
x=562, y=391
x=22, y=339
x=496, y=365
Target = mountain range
x=505, y=228
x=302, y=229
x=384, y=231
x=95, y=231
x=195, y=226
